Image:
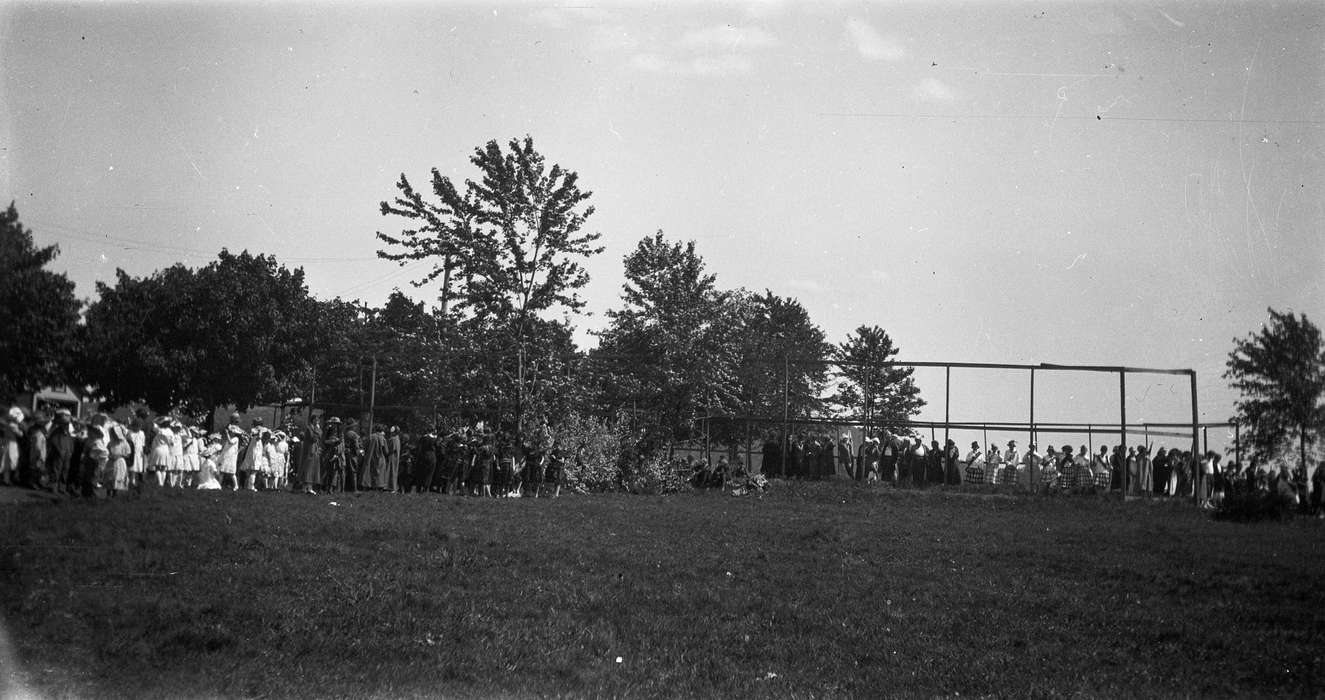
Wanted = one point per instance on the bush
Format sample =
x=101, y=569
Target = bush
x=656, y=474
x=1253, y=507
x=602, y=450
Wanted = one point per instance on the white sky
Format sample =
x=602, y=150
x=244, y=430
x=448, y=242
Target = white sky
x=990, y=181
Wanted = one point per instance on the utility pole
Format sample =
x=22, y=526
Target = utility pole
x=372, y=396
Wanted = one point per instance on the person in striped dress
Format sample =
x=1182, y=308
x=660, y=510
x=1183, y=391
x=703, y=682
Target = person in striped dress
x=1049, y=469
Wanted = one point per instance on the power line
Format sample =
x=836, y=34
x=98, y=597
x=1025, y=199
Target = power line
x=1051, y=117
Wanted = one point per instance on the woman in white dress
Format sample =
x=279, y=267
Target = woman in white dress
x=176, y=474
x=159, y=459
x=994, y=465
x=279, y=459
x=207, y=466
x=138, y=453
x=192, y=444
x=254, y=464
x=228, y=458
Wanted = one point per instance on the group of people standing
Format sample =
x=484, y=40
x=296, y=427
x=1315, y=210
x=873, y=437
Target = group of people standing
x=474, y=460
x=899, y=459
x=53, y=451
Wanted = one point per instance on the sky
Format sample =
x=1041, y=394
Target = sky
x=1075, y=183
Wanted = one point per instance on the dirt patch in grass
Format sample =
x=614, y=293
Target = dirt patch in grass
x=811, y=590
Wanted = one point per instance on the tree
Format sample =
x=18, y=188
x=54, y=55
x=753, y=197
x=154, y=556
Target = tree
x=1280, y=375
x=511, y=243
x=38, y=312
x=777, y=334
x=870, y=389
x=673, y=348
x=239, y=331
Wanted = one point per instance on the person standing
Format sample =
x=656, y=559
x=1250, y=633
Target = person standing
x=310, y=472
x=888, y=452
x=846, y=456
x=333, y=456
x=1145, y=481
x=1011, y=463
x=425, y=462
x=393, y=460
x=975, y=464
x=159, y=459
x=1030, y=471
x=374, y=460
x=952, y=457
x=231, y=443
x=118, y=468
x=993, y=465
x=11, y=437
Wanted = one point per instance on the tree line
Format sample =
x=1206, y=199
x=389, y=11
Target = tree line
x=504, y=252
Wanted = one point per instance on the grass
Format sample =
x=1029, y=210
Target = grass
x=821, y=589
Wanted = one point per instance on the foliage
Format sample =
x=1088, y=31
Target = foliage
x=1280, y=374
x=511, y=244
x=657, y=474
x=600, y=444
x=775, y=330
x=673, y=348
x=234, y=332
x=870, y=388
x=38, y=312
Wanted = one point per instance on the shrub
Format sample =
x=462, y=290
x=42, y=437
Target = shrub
x=656, y=474
x=602, y=450
x=1253, y=507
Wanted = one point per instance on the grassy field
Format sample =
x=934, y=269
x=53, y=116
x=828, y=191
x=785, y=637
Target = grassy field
x=821, y=589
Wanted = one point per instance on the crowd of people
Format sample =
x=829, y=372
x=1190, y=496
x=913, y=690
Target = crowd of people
x=53, y=451
x=903, y=460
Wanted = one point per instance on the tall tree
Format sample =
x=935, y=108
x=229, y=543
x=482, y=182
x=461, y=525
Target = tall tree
x=38, y=312
x=1280, y=374
x=673, y=348
x=869, y=388
x=513, y=239
x=234, y=332
x=780, y=345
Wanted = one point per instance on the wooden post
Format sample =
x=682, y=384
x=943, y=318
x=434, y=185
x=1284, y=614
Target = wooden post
x=1237, y=445
x=1122, y=433
x=947, y=400
x=1031, y=440
x=372, y=396
x=1196, y=446
x=786, y=413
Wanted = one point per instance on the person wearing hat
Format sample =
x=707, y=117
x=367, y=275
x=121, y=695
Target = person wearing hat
x=34, y=455
x=952, y=457
x=393, y=459
x=333, y=456
x=208, y=468
x=158, y=460
x=254, y=462
x=845, y=453
x=60, y=445
x=374, y=461
x=1011, y=463
x=975, y=464
x=118, y=450
x=94, y=458
x=1029, y=472
x=11, y=437
x=310, y=469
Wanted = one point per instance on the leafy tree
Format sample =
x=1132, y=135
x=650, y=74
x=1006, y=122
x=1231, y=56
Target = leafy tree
x=870, y=389
x=1280, y=374
x=511, y=243
x=674, y=347
x=238, y=331
x=777, y=334
x=38, y=312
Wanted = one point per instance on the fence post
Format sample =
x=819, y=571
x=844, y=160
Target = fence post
x=1031, y=440
x=947, y=400
x=1196, y=445
x=1122, y=433
x=786, y=413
